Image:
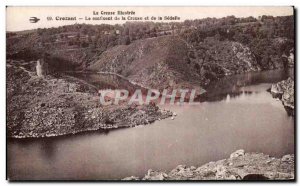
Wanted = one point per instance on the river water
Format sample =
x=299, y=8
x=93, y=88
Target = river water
x=236, y=113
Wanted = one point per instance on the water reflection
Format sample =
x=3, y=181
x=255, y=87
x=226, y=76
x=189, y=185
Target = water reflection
x=235, y=85
x=48, y=148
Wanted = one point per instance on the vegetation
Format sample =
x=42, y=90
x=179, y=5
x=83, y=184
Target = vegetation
x=260, y=43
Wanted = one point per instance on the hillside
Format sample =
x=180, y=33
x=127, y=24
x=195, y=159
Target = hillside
x=160, y=63
x=192, y=53
x=53, y=106
x=170, y=62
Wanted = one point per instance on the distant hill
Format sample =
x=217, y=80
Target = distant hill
x=163, y=55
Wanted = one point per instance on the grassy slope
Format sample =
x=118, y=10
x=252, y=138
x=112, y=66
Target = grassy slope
x=160, y=63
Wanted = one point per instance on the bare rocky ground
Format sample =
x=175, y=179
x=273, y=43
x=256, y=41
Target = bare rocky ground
x=239, y=166
x=50, y=106
x=284, y=90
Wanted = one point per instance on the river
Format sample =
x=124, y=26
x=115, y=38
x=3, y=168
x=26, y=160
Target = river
x=236, y=113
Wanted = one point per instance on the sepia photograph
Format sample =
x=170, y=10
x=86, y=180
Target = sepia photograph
x=150, y=93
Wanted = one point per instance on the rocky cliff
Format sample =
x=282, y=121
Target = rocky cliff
x=284, y=90
x=215, y=59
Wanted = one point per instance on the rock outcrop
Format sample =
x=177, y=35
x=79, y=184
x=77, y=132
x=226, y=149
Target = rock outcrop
x=52, y=106
x=240, y=166
x=284, y=91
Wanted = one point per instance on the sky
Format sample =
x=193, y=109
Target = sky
x=17, y=18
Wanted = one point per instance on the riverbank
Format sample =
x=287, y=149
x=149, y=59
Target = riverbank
x=49, y=106
x=167, y=141
x=284, y=90
x=239, y=166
